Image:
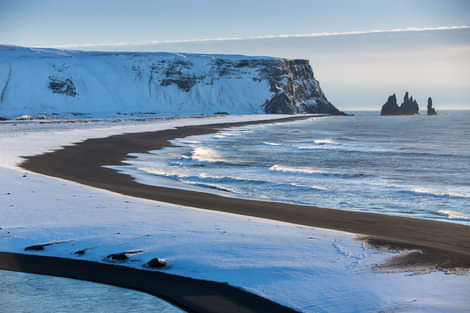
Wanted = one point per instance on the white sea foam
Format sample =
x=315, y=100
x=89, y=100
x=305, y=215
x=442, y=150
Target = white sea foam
x=282, y=168
x=160, y=172
x=210, y=186
x=308, y=147
x=316, y=187
x=204, y=154
x=325, y=141
x=271, y=143
x=453, y=214
x=189, y=141
x=441, y=193
x=317, y=144
x=226, y=134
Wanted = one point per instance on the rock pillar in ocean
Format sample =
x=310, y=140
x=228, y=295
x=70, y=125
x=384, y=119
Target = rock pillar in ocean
x=431, y=110
x=409, y=106
x=390, y=107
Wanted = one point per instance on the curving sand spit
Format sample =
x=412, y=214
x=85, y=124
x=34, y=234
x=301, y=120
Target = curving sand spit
x=84, y=162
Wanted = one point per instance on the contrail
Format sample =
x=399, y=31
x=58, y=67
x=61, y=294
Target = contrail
x=259, y=37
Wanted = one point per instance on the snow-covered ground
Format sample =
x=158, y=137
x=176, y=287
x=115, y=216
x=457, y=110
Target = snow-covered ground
x=310, y=269
x=64, y=83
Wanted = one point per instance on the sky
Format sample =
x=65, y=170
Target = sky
x=361, y=51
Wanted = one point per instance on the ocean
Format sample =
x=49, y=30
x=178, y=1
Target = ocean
x=24, y=292
x=415, y=166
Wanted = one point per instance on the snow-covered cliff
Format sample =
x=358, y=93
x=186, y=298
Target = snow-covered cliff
x=73, y=83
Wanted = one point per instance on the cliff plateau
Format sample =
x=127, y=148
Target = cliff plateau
x=66, y=83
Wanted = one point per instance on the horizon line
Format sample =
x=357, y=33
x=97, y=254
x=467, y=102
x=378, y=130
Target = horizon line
x=258, y=37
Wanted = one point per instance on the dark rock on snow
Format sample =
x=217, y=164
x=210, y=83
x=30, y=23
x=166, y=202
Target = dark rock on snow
x=118, y=256
x=122, y=256
x=156, y=263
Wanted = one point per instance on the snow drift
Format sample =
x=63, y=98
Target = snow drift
x=65, y=83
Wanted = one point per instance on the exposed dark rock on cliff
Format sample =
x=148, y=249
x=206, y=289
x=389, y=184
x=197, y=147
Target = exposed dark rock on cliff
x=5, y=87
x=184, y=84
x=409, y=106
x=63, y=86
x=431, y=110
x=297, y=90
x=279, y=104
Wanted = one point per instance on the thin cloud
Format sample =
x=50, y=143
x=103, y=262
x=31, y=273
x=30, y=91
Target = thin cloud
x=260, y=37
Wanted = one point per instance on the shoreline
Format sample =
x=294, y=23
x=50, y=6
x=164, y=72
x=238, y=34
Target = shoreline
x=83, y=163
x=189, y=294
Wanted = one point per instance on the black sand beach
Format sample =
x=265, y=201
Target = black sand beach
x=83, y=163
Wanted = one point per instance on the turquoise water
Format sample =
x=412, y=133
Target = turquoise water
x=417, y=166
x=22, y=293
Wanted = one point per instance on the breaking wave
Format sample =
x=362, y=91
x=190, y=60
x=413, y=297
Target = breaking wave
x=325, y=142
x=440, y=193
x=311, y=171
x=281, y=168
x=210, y=186
x=271, y=143
x=204, y=154
x=156, y=171
x=202, y=176
x=452, y=214
x=311, y=187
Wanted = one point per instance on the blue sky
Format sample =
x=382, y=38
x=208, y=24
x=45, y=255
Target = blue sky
x=356, y=71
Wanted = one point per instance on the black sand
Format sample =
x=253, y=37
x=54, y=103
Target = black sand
x=84, y=162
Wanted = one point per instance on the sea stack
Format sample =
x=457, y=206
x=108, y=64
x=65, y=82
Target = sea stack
x=390, y=107
x=409, y=106
x=431, y=110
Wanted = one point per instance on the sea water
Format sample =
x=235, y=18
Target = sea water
x=417, y=166
x=24, y=292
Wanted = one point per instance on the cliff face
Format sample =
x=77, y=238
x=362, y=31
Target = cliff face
x=70, y=83
x=297, y=90
x=409, y=106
